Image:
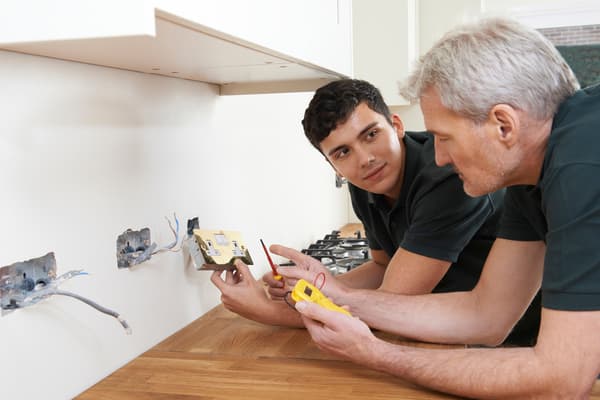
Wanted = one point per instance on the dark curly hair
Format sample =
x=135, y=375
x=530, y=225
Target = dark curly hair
x=333, y=103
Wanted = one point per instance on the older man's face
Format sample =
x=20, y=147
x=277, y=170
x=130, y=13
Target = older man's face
x=470, y=148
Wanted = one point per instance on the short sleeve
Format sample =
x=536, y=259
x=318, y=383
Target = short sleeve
x=357, y=200
x=571, y=199
x=444, y=219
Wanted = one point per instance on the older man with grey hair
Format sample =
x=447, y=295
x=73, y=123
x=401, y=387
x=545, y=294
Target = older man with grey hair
x=505, y=110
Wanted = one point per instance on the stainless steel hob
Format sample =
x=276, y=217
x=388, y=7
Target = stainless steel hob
x=340, y=254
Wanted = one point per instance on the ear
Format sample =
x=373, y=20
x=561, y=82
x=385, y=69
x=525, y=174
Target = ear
x=506, y=124
x=398, y=125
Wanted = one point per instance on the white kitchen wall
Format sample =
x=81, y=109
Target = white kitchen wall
x=87, y=152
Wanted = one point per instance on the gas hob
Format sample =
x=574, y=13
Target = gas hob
x=340, y=254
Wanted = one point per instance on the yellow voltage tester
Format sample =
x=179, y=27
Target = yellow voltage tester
x=305, y=291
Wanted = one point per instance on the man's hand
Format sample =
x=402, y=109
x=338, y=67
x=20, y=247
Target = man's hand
x=241, y=293
x=337, y=333
x=309, y=269
x=276, y=288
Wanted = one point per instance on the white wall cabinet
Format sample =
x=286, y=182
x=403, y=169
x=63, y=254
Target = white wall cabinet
x=385, y=44
x=390, y=37
x=244, y=47
x=436, y=18
x=316, y=31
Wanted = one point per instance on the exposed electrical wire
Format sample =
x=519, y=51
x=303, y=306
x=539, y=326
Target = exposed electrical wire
x=287, y=302
x=317, y=278
x=68, y=275
x=322, y=274
x=42, y=291
x=175, y=231
x=94, y=305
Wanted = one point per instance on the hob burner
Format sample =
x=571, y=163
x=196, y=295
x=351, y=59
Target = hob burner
x=340, y=254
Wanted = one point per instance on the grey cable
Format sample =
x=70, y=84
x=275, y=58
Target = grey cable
x=94, y=305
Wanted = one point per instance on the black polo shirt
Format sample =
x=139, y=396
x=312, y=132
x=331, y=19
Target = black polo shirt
x=563, y=209
x=432, y=217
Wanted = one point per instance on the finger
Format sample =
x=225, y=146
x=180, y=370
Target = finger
x=229, y=277
x=236, y=276
x=271, y=281
x=328, y=318
x=293, y=274
x=300, y=259
x=243, y=270
x=277, y=293
x=281, y=293
x=290, y=282
x=216, y=279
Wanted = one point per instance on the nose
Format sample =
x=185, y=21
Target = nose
x=365, y=157
x=441, y=157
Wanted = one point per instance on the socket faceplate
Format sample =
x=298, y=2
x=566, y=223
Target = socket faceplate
x=220, y=248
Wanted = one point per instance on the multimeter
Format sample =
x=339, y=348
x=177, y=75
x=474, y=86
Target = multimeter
x=305, y=291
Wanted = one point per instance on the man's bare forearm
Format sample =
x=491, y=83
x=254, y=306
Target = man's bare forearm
x=452, y=317
x=367, y=276
x=476, y=373
x=484, y=315
x=280, y=314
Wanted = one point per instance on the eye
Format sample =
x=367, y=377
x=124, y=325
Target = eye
x=341, y=153
x=371, y=134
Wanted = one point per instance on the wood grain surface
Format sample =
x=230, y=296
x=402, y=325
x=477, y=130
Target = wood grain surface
x=224, y=356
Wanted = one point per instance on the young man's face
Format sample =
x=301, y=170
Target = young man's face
x=470, y=148
x=368, y=151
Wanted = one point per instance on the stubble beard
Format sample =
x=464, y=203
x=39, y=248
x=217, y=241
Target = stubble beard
x=492, y=178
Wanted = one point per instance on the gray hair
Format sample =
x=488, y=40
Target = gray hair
x=494, y=61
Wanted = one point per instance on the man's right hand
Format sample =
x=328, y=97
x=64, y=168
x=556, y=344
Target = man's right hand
x=307, y=268
x=333, y=332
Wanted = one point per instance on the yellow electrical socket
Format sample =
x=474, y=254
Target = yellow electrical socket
x=304, y=291
x=221, y=248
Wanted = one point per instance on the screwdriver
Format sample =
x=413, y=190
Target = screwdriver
x=276, y=276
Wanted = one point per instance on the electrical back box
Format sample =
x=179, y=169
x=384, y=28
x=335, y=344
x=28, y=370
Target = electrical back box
x=18, y=280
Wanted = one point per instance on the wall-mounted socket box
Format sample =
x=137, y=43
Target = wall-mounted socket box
x=18, y=280
x=134, y=247
x=191, y=244
x=219, y=249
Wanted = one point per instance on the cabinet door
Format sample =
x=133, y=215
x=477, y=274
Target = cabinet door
x=257, y=46
x=313, y=31
x=437, y=18
x=40, y=20
x=384, y=34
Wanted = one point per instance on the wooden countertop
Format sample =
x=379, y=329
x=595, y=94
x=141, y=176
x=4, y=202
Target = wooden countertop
x=224, y=356
x=349, y=230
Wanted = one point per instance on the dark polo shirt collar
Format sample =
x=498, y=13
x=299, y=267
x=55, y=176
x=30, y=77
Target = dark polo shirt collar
x=412, y=163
